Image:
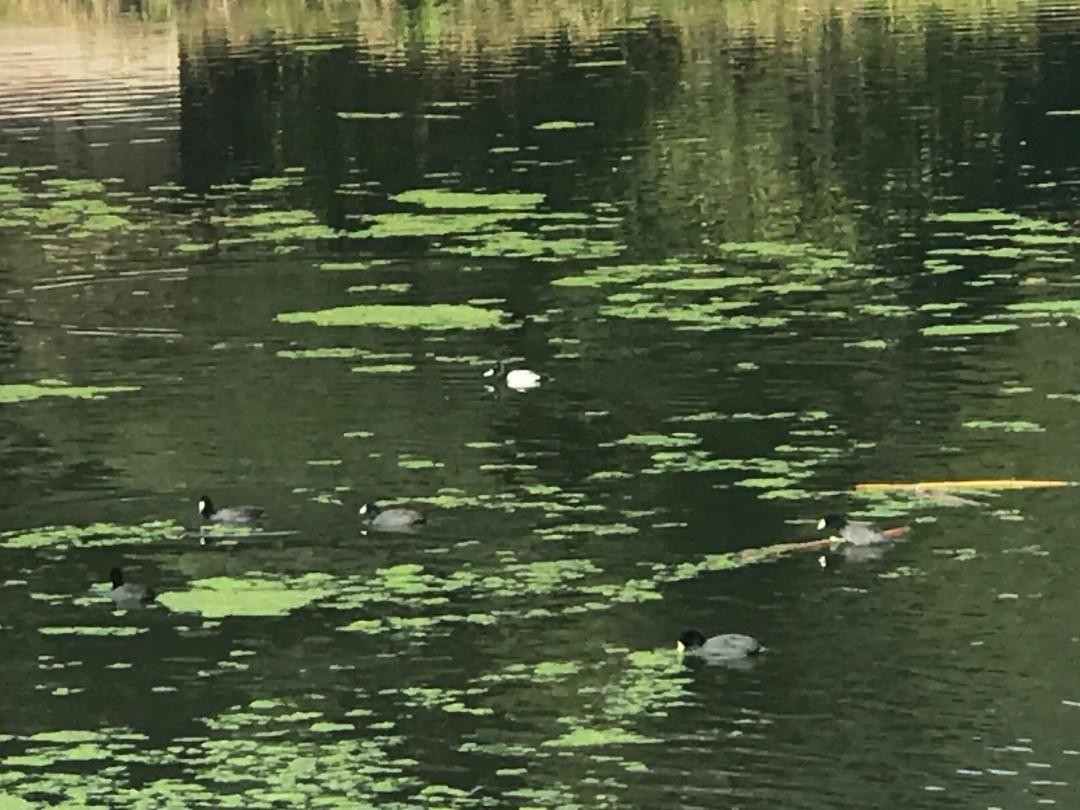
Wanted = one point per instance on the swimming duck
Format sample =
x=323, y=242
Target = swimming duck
x=230, y=514
x=724, y=647
x=128, y=592
x=390, y=519
x=852, y=531
x=520, y=379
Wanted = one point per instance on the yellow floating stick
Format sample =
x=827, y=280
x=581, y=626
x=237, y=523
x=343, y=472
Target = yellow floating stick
x=975, y=483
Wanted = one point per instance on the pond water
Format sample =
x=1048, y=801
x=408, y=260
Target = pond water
x=759, y=255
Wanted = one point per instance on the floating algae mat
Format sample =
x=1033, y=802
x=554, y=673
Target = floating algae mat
x=262, y=596
x=294, y=745
x=504, y=655
x=680, y=275
x=25, y=392
x=95, y=535
x=708, y=296
x=340, y=353
x=274, y=226
x=520, y=245
x=249, y=760
x=80, y=208
x=408, y=224
x=967, y=329
x=480, y=223
x=402, y=316
x=447, y=198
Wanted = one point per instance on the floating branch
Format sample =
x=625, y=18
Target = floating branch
x=764, y=553
x=975, y=483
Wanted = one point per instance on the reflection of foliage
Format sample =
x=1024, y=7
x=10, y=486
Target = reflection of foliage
x=465, y=26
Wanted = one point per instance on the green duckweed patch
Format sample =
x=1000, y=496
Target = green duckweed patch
x=80, y=208
x=598, y=529
x=1067, y=307
x=10, y=193
x=967, y=329
x=446, y=198
x=26, y=392
x=266, y=219
x=991, y=215
x=885, y=310
x=693, y=296
x=542, y=672
x=318, y=47
x=600, y=63
x=391, y=287
x=705, y=317
x=70, y=188
x=195, y=247
x=702, y=283
x=396, y=225
x=409, y=462
x=872, y=343
x=591, y=737
x=402, y=316
x=639, y=273
x=660, y=440
x=218, y=597
x=339, y=353
x=367, y=264
x=512, y=244
x=1013, y=426
x=263, y=184
x=716, y=416
x=773, y=471
x=385, y=368
x=95, y=535
x=555, y=126
x=89, y=630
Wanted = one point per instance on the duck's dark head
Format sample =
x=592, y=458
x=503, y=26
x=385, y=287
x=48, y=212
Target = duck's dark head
x=206, y=507
x=369, y=510
x=689, y=640
x=834, y=524
x=117, y=577
x=497, y=370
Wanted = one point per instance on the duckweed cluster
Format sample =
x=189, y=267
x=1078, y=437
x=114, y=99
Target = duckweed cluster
x=786, y=338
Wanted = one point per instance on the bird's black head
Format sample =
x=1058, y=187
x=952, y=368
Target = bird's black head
x=690, y=639
x=369, y=510
x=117, y=577
x=206, y=506
x=834, y=524
x=498, y=370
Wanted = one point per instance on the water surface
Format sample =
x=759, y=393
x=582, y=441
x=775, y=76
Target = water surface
x=758, y=254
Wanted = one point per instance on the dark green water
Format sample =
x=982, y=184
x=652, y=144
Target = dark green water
x=758, y=256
